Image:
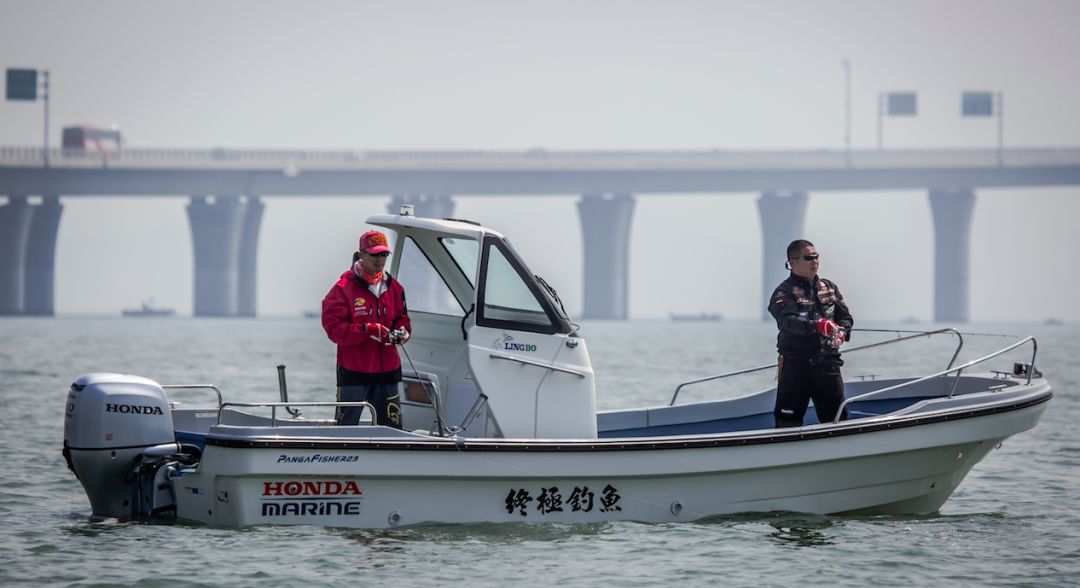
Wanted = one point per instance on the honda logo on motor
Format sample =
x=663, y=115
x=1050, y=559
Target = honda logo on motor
x=133, y=409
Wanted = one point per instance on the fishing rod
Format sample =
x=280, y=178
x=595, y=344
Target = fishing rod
x=433, y=397
x=934, y=332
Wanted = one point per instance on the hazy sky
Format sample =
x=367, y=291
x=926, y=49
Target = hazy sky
x=564, y=75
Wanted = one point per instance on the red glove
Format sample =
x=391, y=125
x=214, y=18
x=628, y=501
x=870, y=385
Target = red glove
x=377, y=332
x=827, y=327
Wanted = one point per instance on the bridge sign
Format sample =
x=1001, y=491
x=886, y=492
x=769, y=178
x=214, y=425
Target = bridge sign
x=22, y=84
x=977, y=104
x=902, y=104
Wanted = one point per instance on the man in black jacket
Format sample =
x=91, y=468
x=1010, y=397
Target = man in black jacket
x=814, y=321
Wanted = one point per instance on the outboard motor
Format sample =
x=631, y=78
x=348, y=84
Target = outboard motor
x=119, y=441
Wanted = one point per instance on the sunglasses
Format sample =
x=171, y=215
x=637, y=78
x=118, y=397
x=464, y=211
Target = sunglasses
x=811, y=257
x=383, y=254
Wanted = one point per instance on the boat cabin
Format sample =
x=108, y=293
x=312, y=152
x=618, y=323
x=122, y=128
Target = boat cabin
x=492, y=345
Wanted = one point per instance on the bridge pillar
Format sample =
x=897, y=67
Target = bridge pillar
x=215, y=235
x=249, y=245
x=952, y=210
x=605, y=230
x=783, y=215
x=425, y=205
x=15, y=221
x=39, y=295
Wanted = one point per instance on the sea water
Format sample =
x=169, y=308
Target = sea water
x=1015, y=520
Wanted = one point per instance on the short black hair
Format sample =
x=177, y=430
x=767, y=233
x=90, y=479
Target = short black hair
x=796, y=246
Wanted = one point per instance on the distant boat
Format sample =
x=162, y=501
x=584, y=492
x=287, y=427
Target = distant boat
x=310, y=314
x=147, y=309
x=703, y=316
x=1054, y=321
x=909, y=320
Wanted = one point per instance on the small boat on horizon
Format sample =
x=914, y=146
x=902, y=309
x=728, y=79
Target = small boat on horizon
x=701, y=316
x=147, y=309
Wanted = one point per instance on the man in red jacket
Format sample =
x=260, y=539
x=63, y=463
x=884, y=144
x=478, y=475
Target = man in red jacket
x=365, y=314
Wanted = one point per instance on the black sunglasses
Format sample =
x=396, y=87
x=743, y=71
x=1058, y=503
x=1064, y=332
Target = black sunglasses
x=811, y=257
x=383, y=254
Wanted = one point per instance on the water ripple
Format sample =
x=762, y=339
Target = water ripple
x=1015, y=520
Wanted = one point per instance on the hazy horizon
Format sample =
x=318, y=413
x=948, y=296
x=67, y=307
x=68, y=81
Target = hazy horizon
x=564, y=75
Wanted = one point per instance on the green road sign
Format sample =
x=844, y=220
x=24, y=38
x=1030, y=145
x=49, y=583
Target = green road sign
x=977, y=104
x=22, y=84
x=902, y=104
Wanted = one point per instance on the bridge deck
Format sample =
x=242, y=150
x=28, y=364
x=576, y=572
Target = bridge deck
x=269, y=172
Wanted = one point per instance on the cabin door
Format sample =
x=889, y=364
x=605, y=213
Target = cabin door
x=536, y=376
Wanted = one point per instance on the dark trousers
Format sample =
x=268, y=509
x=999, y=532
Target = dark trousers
x=384, y=397
x=801, y=381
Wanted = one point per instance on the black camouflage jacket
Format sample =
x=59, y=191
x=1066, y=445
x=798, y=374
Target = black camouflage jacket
x=797, y=304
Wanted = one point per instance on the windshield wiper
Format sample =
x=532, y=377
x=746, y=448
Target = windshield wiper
x=555, y=296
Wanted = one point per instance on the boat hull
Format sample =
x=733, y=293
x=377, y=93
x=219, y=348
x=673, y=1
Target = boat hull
x=375, y=483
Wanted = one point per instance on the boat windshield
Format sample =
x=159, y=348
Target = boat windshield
x=427, y=290
x=510, y=296
x=465, y=253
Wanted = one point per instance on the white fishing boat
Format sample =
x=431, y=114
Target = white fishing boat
x=701, y=316
x=501, y=425
x=147, y=309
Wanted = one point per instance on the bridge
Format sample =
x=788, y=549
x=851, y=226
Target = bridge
x=227, y=188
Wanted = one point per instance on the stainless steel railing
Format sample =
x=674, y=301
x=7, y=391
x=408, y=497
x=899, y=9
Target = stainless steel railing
x=195, y=387
x=958, y=369
x=539, y=364
x=899, y=338
x=273, y=406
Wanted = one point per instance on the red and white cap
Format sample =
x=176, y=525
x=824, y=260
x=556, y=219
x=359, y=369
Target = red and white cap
x=374, y=242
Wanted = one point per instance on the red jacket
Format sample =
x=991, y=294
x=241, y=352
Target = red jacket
x=348, y=307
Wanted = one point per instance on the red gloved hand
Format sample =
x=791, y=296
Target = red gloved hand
x=377, y=332
x=827, y=327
